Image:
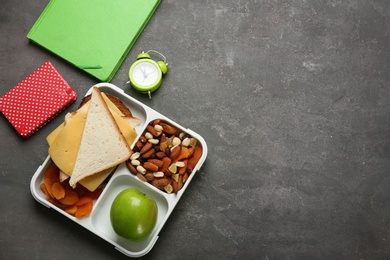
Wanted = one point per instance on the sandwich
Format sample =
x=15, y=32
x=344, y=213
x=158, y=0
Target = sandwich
x=93, y=140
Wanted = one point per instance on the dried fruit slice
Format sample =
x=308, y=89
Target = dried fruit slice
x=71, y=209
x=84, y=210
x=58, y=190
x=70, y=198
x=195, y=157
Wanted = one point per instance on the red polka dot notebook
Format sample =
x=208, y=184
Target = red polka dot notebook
x=36, y=100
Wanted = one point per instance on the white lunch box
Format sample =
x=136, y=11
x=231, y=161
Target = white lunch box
x=98, y=221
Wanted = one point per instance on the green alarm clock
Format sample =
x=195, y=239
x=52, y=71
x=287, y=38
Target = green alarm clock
x=146, y=74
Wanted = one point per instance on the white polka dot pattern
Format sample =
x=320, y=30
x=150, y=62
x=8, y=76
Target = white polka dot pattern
x=36, y=100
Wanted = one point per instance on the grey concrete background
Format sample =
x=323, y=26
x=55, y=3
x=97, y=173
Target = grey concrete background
x=292, y=98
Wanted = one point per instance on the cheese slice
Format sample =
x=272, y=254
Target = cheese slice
x=94, y=181
x=91, y=182
x=52, y=136
x=127, y=130
x=64, y=148
x=111, y=105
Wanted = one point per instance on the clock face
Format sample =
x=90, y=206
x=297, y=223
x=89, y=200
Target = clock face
x=145, y=73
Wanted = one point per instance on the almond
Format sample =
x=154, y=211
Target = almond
x=163, y=138
x=152, y=130
x=167, y=173
x=150, y=166
x=139, y=145
x=157, y=162
x=156, y=121
x=161, y=154
x=131, y=167
x=180, y=182
x=185, y=177
x=149, y=176
x=141, y=177
x=148, y=154
x=169, y=129
x=146, y=148
x=143, y=139
x=175, y=186
x=160, y=183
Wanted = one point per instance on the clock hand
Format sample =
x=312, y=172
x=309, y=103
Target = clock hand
x=144, y=72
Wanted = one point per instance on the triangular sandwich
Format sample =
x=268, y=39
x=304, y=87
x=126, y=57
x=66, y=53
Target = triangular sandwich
x=102, y=145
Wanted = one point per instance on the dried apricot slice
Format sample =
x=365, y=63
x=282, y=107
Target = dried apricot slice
x=77, y=202
x=58, y=190
x=183, y=169
x=44, y=190
x=71, y=209
x=83, y=200
x=70, y=198
x=48, y=184
x=193, y=160
x=84, y=210
x=184, y=154
x=52, y=172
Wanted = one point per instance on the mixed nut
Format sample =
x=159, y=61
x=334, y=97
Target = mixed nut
x=164, y=156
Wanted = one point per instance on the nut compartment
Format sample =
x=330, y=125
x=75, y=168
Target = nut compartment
x=97, y=221
x=165, y=156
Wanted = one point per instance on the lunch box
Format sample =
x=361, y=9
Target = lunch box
x=98, y=222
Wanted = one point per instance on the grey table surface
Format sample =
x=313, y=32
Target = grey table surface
x=292, y=98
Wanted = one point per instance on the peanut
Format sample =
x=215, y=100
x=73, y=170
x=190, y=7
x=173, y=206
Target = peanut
x=135, y=156
x=153, y=141
x=158, y=174
x=135, y=162
x=158, y=128
x=148, y=135
x=141, y=169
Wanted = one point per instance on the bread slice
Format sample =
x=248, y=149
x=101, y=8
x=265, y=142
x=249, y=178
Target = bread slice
x=102, y=145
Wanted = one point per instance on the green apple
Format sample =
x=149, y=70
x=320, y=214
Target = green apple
x=133, y=214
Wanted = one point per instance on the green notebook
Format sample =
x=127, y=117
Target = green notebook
x=93, y=35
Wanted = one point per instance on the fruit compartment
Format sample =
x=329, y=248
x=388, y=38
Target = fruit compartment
x=98, y=222
x=101, y=215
